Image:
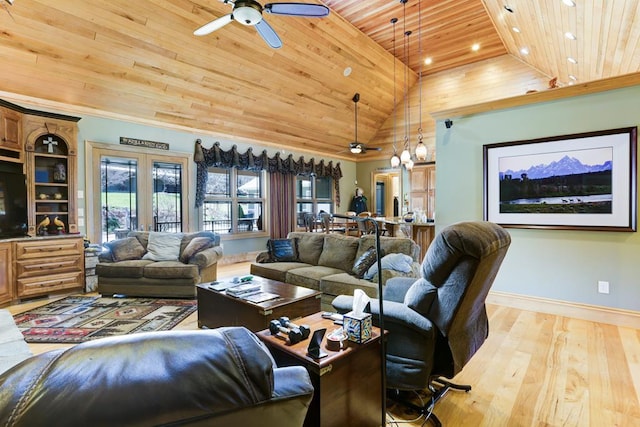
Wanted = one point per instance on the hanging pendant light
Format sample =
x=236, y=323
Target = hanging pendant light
x=405, y=157
x=395, y=160
x=421, y=148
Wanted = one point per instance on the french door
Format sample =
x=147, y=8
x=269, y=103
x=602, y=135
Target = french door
x=133, y=190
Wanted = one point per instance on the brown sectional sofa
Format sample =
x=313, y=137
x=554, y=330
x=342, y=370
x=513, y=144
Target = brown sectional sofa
x=122, y=269
x=325, y=263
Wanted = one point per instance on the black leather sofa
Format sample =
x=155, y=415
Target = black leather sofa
x=221, y=377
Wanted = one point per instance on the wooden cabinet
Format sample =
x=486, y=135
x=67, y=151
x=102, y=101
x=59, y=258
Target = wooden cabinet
x=44, y=266
x=11, y=135
x=6, y=279
x=51, y=146
x=423, y=189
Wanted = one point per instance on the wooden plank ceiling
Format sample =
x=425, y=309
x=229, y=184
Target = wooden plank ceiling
x=139, y=60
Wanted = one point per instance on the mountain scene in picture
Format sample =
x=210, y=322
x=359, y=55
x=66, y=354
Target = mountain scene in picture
x=564, y=182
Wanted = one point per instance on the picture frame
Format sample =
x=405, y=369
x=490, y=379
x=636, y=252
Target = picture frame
x=584, y=181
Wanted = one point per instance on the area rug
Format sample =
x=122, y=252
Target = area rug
x=77, y=319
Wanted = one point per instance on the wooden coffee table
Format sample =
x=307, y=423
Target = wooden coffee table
x=347, y=382
x=216, y=308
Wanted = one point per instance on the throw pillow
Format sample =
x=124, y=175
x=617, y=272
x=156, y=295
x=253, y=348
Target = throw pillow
x=398, y=262
x=163, y=246
x=124, y=249
x=363, y=263
x=283, y=249
x=196, y=245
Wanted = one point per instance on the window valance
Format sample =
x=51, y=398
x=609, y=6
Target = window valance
x=217, y=157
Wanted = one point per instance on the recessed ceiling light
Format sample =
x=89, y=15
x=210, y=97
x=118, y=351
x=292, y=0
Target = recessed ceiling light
x=515, y=29
x=570, y=35
x=347, y=72
x=572, y=60
x=572, y=77
x=475, y=47
x=569, y=3
x=508, y=8
x=524, y=51
x=428, y=61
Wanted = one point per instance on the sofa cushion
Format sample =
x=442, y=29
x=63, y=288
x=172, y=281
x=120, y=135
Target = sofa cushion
x=309, y=246
x=339, y=252
x=163, y=246
x=170, y=270
x=283, y=249
x=130, y=269
x=142, y=236
x=125, y=249
x=309, y=277
x=275, y=271
x=194, y=246
x=365, y=261
x=345, y=284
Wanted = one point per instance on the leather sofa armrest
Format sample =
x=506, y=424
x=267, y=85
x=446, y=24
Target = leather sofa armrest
x=206, y=257
x=292, y=381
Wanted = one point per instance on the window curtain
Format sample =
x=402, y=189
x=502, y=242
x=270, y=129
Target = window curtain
x=282, y=202
x=215, y=156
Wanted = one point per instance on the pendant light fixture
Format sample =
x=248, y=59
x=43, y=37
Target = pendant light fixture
x=421, y=148
x=405, y=157
x=395, y=160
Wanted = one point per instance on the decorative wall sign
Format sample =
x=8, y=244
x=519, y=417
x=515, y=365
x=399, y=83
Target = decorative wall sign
x=144, y=143
x=580, y=181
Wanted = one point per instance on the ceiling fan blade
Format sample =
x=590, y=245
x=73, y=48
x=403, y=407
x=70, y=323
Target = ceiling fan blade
x=216, y=24
x=297, y=9
x=268, y=34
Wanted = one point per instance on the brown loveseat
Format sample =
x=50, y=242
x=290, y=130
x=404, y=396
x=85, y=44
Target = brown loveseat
x=325, y=262
x=123, y=269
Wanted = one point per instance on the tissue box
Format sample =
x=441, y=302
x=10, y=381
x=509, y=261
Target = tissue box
x=357, y=327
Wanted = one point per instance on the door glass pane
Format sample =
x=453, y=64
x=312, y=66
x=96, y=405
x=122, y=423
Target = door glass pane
x=167, y=197
x=118, y=194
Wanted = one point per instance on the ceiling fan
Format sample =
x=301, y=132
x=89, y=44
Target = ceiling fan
x=249, y=13
x=356, y=147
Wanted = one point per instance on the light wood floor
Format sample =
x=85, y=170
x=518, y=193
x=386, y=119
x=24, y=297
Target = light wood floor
x=534, y=370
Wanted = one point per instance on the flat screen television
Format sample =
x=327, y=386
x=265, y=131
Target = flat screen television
x=13, y=205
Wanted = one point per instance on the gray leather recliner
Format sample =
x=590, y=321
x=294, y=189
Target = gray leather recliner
x=221, y=377
x=437, y=322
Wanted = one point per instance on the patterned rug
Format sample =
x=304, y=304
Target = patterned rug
x=76, y=319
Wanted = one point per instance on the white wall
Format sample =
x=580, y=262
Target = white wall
x=556, y=264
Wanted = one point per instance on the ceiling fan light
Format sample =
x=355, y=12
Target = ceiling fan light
x=395, y=161
x=421, y=151
x=409, y=165
x=356, y=149
x=247, y=14
x=405, y=157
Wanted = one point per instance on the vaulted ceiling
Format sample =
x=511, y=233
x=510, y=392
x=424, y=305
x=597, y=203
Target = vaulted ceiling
x=139, y=60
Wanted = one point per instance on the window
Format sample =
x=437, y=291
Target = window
x=313, y=194
x=234, y=201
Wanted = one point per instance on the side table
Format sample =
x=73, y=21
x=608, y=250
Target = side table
x=347, y=382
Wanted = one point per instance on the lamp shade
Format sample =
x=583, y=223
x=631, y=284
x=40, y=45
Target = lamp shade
x=421, y=151
x=405, y=157
x=409, y=165
x=395, y=161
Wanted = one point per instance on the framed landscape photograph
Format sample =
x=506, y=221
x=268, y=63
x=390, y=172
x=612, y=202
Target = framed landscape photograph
x=582, y=181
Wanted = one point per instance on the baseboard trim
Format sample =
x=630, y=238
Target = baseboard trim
x=594, y=313
x=236, y=258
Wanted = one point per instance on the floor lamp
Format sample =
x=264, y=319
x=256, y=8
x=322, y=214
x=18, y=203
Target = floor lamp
x=383, y=344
